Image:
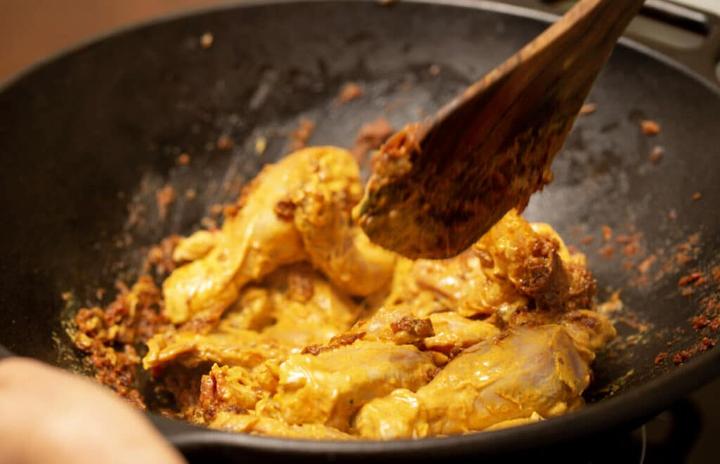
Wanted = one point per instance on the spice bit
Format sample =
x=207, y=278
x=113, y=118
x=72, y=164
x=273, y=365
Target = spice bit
x=206, y=40
x=689, y=279
x=164, y=198
x=661, y=357
x=371, y=136
x=183, y=159
x=349, y=92
x=588, y=108
x=300, y=136
x=607, y=233
x=434, y=70
x=696, y=196
x=607, y=251
x=656, y=154
x=224, y=143
x=649, y=127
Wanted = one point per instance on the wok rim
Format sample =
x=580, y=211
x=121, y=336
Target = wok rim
x=642, y=402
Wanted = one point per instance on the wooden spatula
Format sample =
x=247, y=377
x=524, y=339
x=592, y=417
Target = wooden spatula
x=437, y=186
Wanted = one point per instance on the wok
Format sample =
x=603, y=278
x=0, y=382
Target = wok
x=97, y=130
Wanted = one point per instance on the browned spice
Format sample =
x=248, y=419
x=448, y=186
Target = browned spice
x=183, y=159
x=646, y=264
x=434, y=70
x=696, y=196
x=335, y=342
x=700, y=322
x=630, y=246
x=715, y=273
x=661, y=357
x=684, y=355
x=164, y=198
x=607, y=251
x=216, y=209
x=135, y=214
x=206, y=40
x=588, y=108
x=371, y=136
x=109, y=335
x=656, y=154
x=159, y=258
x=300, y=136
x=649, y=127
x=224, y=143
x=607, y=233
x=349, y=92
x=285, y=210
x=420, y=328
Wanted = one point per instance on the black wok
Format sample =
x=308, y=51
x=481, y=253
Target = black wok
x=99, y=128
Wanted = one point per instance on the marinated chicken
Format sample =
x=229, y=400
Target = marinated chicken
x=288, y=321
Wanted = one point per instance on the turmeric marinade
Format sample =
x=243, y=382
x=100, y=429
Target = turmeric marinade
x=288, y=321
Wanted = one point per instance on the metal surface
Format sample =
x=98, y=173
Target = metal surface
x=687, y=35
x=88, y=134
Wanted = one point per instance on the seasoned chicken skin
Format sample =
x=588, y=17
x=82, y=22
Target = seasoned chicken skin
x=539, y=371
x=294, y=324
x=328, y=388
x=296, y=209
x=295, y=307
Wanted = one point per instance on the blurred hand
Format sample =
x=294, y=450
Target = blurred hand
x=51, y=416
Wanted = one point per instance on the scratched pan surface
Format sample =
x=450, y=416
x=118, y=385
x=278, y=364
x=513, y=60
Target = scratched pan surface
x=88, y=136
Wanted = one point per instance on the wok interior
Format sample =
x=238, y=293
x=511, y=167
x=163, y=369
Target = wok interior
x=92, y=136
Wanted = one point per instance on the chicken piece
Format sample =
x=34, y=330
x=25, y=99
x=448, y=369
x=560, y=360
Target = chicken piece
x=295, y=307
x=534, y=417
x=534, y=263
x=195, y=246
x=398, y=415
x=307, y=309
x=526, y=372
x=235, y=389
x=446, y=332
x=330, y=387
x=463, y=283
x=250, y=245
x=240, y=348
x=515, y=266
x=396, y=324
x=531, y=370
x=254, y=310
x=334, y=245
x=302, y=202
x=590, y=330
x=248, y=423
x=453, y=333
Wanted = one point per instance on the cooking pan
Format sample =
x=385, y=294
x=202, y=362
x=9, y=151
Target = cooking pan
x=90, y=136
